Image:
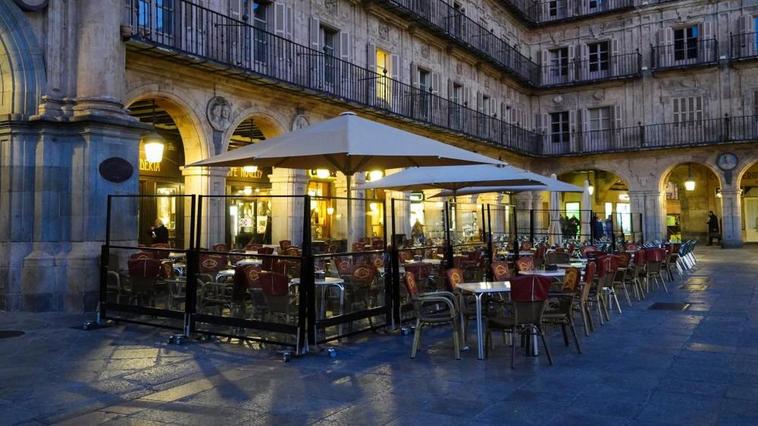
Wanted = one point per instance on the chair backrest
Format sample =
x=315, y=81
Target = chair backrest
x=160, y=254
x=589, y=276
x=410, y=284
x=273, y=283
x=525, y=264
x=454, y=277
x=500, y=270
x=378, y=261
x=211, y=263
x=655, y=255
x=640, y=258
x=632, y=247
x=167, y=270
x=283, y=244
x=623, y=259
x=253, y=247
x=144, y=268
x=234, y=258
x=528, y=295
x=588, y=249
x=219, y=247
x=570, y=280
x=141, y=255
x=363, y=274
x=291, y=251
x=525, y=245
x=344, y=265
x=359, y=246
x=250, y=276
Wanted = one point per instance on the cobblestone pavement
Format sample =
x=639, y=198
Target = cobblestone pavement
x=699, y=366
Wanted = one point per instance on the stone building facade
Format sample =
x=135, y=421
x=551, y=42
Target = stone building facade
x=635, y=88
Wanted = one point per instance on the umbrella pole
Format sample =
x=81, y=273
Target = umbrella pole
x=348, y=179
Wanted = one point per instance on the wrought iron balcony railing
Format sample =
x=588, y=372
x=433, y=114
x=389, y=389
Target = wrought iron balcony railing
x=743, y=46
x=654, y=136
x=685, y=53
x=202, y=37
x=570, y=72
x=442, y=18
x=536, y=12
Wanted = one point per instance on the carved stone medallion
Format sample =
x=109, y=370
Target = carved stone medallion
x=219, y=113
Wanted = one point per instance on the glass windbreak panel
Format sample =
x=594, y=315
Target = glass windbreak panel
x=249, y=218
x=349, y=265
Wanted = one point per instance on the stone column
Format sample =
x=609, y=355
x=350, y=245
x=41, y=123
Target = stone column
x=207, y=181
x=287, y=212
x=523, y=203
x=654, y=211
x=731, y=218
x=637, y=206
x=358, y=221
x=540, y=227
x=101, y=58
x=402, y=212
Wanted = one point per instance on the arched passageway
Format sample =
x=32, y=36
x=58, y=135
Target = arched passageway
x=691, y=190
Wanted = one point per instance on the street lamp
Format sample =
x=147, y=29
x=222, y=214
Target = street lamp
x=689, y=184
x=591, y=188
x=153, y=143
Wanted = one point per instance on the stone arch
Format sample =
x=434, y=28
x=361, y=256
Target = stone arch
x=270, y=124
x=193, y=130
x=746, y=165
x=666, y=172
x=22, y=68
x=569, y=168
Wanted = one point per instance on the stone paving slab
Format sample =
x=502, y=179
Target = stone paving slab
x=698, y=366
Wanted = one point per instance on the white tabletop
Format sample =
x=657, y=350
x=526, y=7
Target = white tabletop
x=324, y=281
x=558, y=273
x=486, y=287
x=175, y=255
x=429, y=261
x=249, y=262
x=570, y=265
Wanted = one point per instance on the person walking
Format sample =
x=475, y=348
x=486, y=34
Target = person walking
x=713, y=228
x=608, y=227
x=159, y=232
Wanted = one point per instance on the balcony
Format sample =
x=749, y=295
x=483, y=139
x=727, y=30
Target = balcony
x=743, y=46
x=537, y=12
x=443, y=19
x=685, y=54
x=204, y=39
x=656, y=136
x=589, y=71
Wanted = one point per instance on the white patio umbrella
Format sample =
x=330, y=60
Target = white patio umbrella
x=454, y=178
x=586, y=209
x=556, y=186
x=349, y=144
x=554, y=230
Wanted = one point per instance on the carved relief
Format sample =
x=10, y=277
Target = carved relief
x=218, y=112
x=300, y=121
x=384, y=31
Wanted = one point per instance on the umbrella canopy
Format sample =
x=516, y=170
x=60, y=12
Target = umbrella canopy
x=349, y=144
x=586, y=210
x=554, y=230
x=556, y=186
x=454, y=178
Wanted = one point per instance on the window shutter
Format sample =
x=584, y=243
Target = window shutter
x=492, y=107
x=345, y=46
x=290, y=26
x=395, y=66
x=314, y=34
x=545, y=57
x=371, y=57
x=545, y=123
x=450, y=89
x=572, y=121
x=538, y=122
x=436, y=83
x=466, y=97
x=414, y=75
x=617, y=117
x=479, y=101
x=280, y=19
x=668, y=34
x=503, y=110
x=235, y=9
x=707, y=28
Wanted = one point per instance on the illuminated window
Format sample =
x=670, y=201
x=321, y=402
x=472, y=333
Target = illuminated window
x=383, y=68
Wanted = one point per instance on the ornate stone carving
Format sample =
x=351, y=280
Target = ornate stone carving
x=557, y=99
x=459, y=68
x=219, y=113
x=384, y=30
x=425, y=51
x=300, y=121
x=598, y=95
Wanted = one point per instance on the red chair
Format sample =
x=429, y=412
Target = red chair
x=525, y=263
x=454, y=277
x=500, y=271
x=275, y=289
x=429, y=317
x=268, y=262
x=655, y=257
x=584, y=302
x=528, y=298
x=284, y=244
x=219, y=247
x=143, y=276
x=211, y=263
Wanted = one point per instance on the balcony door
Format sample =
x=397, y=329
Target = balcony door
x=598, y=60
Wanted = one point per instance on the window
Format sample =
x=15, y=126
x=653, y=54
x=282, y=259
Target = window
x=328, y=40
x=686, y=43
x=559, y=62
x=559, y=127
x=598, y=56
x=573, y=209
x=599, y=118
x=383, y=68
x=596, y=4
x=260, y=14
x=688, y=110
x=485, y=107
x=457, y=94
x=158, y=14
x=425, y=85
x=552, y=7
